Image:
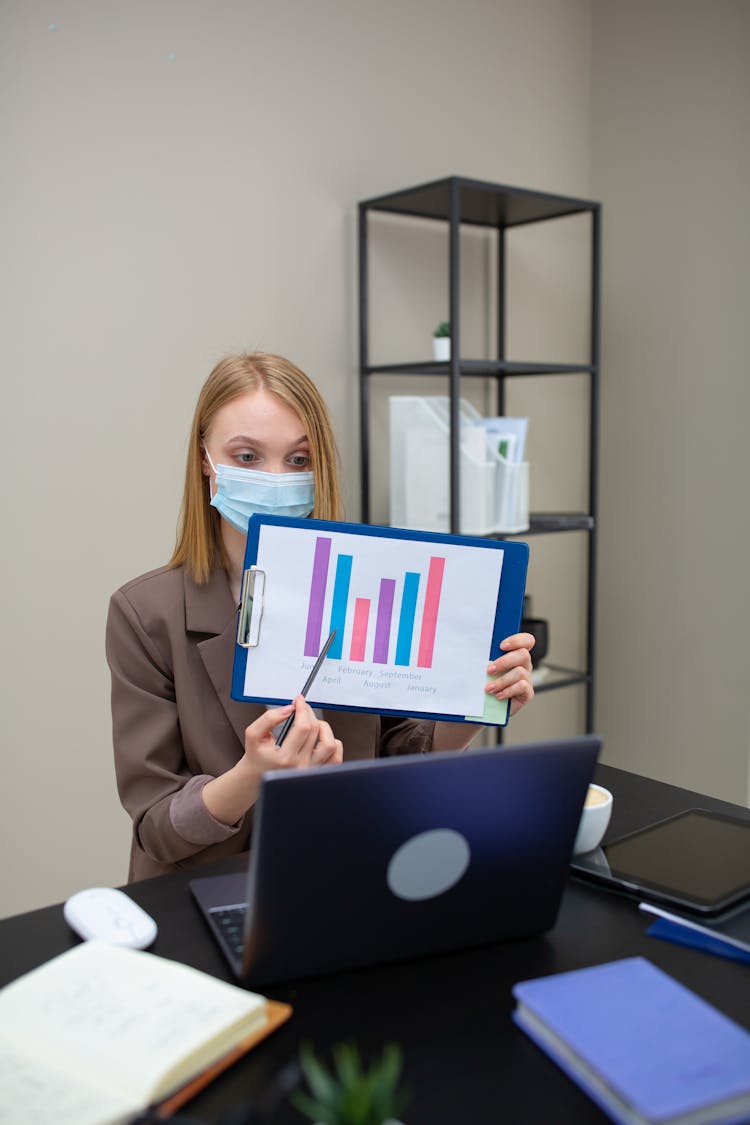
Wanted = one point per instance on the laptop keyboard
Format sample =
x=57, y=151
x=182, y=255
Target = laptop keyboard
x=231, y=923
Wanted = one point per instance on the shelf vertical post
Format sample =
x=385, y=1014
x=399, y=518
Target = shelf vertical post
x=500, y=379
x=455, y=385
x=593, y=459
x=364, y=396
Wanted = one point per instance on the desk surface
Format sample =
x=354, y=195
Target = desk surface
x=465, y=1060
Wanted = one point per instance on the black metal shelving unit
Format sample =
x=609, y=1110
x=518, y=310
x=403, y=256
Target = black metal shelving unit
x=459, y=201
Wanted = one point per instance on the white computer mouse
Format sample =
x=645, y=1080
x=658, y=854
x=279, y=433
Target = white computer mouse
x=106, y=914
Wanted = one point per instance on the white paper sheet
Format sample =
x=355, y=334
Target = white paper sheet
x=385, y=655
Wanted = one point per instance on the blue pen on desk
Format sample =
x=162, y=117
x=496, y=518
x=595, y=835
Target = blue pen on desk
x=308, y=684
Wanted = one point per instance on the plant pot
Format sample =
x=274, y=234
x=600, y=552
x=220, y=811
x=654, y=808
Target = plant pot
x=441, y=348
x=539, y=629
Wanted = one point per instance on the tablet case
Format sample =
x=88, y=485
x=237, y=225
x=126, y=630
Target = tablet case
x=319, y=584
x=659, y=872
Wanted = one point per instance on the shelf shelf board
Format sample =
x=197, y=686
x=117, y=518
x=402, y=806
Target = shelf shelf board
x=480, y=203
x=544, y=523
x=558, y=677
x=541, y=523
x=480, y=367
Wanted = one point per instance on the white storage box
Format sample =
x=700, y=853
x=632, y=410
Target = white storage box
x=493, y=491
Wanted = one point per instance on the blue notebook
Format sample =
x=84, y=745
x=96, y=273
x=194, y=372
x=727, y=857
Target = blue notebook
x=645, y=1048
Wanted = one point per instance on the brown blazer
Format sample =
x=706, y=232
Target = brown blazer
x=170, y=647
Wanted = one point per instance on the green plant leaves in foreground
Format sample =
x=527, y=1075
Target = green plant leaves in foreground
x=351, y=1094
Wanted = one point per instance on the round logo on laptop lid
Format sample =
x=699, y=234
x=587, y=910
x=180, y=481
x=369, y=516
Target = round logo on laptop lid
x=428, y=864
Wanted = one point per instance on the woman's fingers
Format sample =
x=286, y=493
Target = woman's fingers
x=262, y=729
x=310, y=741
x=511, y=672
x=507, y=666
x=518, y=641
x=328, y=750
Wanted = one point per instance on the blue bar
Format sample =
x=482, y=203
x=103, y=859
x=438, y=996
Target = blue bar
x=406, y=618
x=338, y=605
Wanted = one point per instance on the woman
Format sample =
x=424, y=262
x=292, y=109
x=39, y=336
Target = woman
x=188, y=758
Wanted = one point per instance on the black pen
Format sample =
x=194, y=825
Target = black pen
x=308, y=684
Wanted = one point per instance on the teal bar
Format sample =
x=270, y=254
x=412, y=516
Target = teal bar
x=406, y=619
x=339, y=603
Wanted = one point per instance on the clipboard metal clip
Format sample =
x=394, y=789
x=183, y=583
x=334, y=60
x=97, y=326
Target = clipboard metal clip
x=251, y=607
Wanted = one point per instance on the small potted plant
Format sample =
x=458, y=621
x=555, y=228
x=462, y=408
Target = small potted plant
x=441, y=341
x=352, y=1094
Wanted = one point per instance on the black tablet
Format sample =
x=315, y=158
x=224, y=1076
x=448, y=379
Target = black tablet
x=697, y=860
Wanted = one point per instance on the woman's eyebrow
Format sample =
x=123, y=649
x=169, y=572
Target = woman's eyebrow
x=245, y=438
x=302, y=440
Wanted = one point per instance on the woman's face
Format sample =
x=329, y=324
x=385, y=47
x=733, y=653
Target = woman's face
x=257, y=430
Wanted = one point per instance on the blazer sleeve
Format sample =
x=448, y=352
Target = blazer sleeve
x=400, y=735
x=156, y=787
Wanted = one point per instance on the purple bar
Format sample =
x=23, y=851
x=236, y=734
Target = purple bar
x=383, y=620
x=317, y=595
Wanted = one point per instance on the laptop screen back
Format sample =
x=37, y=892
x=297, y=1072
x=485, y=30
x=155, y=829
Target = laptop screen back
x=374, y=861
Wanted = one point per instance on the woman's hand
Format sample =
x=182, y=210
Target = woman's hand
x=511, y=672
x=310, y=741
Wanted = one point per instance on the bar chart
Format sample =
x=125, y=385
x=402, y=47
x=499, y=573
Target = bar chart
x=386, y=628
x=414, y=616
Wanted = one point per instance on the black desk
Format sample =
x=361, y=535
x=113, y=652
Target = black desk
x=465, y=1061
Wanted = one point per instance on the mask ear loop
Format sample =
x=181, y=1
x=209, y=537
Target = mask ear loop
x=213, y=467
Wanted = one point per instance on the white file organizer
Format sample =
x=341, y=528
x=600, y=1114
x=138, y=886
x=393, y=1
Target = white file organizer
x=494, y=492
x=511, y=495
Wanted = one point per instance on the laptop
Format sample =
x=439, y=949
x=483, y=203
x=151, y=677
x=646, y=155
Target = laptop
x=381, y=860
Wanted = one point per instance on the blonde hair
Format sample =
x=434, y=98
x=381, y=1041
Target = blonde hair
x=199, y=545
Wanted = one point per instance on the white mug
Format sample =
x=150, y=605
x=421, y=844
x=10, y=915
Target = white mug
x=597, y=810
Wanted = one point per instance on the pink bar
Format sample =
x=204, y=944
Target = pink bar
x=359, y=628
x=430, y=613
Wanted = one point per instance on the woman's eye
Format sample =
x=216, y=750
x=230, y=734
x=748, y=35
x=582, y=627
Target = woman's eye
x=246, y=458
x=300, y=460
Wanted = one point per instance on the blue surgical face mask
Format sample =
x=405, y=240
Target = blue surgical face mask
x=242, y=492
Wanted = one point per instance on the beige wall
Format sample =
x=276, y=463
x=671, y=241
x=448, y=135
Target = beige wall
x=185, y=179
x=670, y=106
x=162, y=212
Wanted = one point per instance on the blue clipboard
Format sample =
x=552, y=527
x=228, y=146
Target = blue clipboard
x=417, y=616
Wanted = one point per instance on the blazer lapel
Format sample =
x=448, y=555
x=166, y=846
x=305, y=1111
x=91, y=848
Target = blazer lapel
x=210, y=609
